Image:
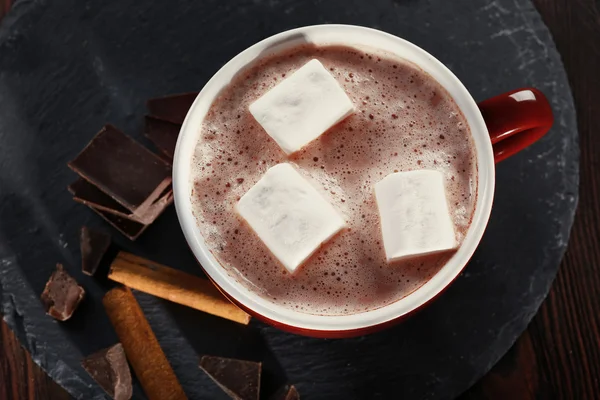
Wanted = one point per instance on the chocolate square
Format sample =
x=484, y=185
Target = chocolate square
x=125, y=170
x=110, y=370
x=93, y=244
x=85, y=193
x=131, y=229
x=171, y=108
x=163, y=134
x=238, y=378
x=120, y=219
x=62, y=294
x=88, y=194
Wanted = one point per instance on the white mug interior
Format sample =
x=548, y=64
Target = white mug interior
x=354, y=36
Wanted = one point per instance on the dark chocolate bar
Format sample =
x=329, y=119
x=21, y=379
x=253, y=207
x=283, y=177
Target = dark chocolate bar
x=93, y=244
x=163, y=134
x=131, y=229
x=92, y=197
x=171, y=108
x=126, y=171
x=62, y=294
x=110, y=370
x=239, y=379
x=88, y=194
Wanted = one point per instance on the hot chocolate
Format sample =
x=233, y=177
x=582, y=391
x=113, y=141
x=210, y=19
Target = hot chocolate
x=404, y=120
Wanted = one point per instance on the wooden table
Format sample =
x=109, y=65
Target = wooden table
x=559, y=354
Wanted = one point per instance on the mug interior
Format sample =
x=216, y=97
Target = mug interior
x=352, y=36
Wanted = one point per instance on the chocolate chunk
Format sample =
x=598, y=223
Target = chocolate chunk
x=126, y=171
x=88, y=194
x=93, y=244
x=288, y=392
x=171, y=108
x=239, y=379
x=62, y=294
x=109, y=368
x=163, y=134
x=131, y=229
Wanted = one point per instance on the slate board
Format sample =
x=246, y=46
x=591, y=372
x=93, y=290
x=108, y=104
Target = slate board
x=69, y=66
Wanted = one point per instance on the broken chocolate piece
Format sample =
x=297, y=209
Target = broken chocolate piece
x=131, y=229
x=126, y=171
x=92, y=195
x=163, y=134
x=93, y=244
x=110, y=370
x=288, y=392
x=239, y=379
x=171, y=108
x=62, y=294
x=88, y=194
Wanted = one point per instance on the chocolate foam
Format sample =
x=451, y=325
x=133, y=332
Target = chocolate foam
x=404, y=120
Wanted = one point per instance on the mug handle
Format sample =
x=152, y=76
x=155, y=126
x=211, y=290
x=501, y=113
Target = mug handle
x=515, y=120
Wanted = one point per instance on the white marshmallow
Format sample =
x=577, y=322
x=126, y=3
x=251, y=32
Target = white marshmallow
x=414, y=214
x=289, y=215
x=302, y=107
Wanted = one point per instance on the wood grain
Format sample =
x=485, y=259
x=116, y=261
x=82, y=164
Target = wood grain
x=4, y=7
x=558, y=357
x=20, y=378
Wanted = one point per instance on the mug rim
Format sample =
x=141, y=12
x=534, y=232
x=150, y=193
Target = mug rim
x=296, y=320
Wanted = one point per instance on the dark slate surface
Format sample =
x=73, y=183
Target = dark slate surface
x=69, y=66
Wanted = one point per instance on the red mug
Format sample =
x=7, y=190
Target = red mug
x=516, y=120
x=500, y=126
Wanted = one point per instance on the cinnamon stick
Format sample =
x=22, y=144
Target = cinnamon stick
x=141, y=346
x=174, y=285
